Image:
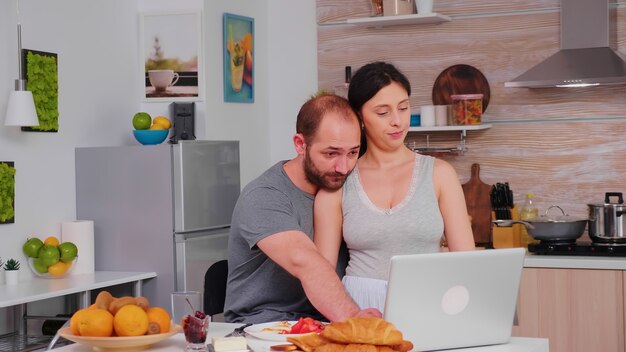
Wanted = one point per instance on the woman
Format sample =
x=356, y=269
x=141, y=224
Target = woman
x=395, y=201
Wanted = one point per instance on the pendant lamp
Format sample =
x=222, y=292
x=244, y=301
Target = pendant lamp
x=21, y=108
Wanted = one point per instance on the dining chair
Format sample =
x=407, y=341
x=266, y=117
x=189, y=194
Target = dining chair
x=215, y=287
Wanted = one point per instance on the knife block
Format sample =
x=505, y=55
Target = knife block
x=507, y=237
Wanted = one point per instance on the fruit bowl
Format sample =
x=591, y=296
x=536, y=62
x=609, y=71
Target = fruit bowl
x=48, y=275
x=150, y=137
x=119, y=343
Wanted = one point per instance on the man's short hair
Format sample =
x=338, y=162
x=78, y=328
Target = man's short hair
x=314, y=110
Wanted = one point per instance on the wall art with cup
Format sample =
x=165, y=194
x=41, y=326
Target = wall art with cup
x=238, y=58
x=171, y=60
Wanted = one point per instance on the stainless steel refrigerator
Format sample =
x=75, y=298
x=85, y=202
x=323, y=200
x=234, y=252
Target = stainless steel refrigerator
x=163, y=208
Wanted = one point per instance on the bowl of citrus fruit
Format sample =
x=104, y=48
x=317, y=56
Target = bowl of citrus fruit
x=149, y=131
x=50, y=258
x=119, y=323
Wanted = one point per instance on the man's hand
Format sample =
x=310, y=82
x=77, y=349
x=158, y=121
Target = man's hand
x=369, y=312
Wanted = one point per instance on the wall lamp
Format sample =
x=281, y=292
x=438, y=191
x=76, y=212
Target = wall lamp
x=21, y=108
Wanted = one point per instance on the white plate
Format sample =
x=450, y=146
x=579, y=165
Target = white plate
x=256, y=330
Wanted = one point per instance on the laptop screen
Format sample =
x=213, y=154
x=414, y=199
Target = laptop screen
x=454, y=299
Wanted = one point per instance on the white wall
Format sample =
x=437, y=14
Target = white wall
x=98, y=52
x=292, y=68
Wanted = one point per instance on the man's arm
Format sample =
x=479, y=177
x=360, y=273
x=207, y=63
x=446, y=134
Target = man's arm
x=297, y=254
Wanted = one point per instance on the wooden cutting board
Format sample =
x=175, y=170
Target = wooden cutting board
x=478, y=203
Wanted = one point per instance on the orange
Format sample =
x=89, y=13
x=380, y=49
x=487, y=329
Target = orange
x=58, y=269
x=75, y=319
x=51, y=241
x=130, y=320
x=159, y=316
x=95, y=322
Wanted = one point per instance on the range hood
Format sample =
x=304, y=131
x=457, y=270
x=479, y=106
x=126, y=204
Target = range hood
x=586, y=57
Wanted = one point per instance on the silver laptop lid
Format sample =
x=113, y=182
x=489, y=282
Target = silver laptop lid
x=454, y=299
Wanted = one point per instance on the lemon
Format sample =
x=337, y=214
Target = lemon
x=157, y=127
x=51, y=241
x=163, y=121
x=58, y=269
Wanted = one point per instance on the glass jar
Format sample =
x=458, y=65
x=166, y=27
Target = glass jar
x=467, y=109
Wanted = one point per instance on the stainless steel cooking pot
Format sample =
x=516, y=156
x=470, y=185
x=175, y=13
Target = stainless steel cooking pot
x=563, y=228
x=607, y=221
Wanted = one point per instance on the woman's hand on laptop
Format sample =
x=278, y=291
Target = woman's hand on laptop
x=369, y=312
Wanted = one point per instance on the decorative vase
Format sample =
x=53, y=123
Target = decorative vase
x=11, y=277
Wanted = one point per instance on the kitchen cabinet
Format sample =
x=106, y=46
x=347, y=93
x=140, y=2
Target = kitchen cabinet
x=458, y=149
x=576, y=309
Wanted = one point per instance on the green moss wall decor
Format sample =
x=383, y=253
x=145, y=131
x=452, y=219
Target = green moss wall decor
x=7, y=192
x=41, y=76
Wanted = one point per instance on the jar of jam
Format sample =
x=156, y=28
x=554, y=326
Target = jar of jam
x=467, y=109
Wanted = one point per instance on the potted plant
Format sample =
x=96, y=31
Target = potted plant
x=11, y=270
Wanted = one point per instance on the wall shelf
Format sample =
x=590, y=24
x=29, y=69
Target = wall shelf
x=385, y=21
x=462, y=128
x=460, y=149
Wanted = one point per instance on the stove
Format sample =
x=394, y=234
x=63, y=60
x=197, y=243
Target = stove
x=578, y=248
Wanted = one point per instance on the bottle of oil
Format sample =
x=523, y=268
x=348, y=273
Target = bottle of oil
x=528, y=212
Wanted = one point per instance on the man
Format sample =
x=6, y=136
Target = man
x=273, y=264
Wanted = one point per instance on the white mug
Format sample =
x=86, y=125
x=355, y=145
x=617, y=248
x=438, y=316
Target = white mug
x=424, y=7
x=161, y=79
x=427, y=115
x=441, y=115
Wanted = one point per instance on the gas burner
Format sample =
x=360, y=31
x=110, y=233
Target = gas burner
x=609, y=244
x=579, y=249
x=557, y=242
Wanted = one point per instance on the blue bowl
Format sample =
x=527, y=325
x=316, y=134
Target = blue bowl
x=150, y=137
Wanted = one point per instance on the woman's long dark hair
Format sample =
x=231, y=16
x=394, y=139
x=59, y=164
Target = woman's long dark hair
x=366, y=83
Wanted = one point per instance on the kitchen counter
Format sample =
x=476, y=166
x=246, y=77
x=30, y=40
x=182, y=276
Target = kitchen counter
x=38, y=289
x=574, y=262
x=177, y=343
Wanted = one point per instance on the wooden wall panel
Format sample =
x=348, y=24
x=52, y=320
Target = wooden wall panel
x=568, y=146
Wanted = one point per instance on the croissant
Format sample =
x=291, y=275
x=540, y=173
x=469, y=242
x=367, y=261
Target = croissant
x=362, y=330
x=308, y=342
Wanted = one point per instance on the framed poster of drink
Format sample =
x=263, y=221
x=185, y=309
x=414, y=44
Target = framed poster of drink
x=238, y=59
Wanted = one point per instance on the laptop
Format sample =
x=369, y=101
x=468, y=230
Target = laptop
x=454, y=299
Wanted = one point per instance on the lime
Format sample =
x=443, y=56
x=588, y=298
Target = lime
x=68, y=251
x=32, y=247
x=142, y=121
x=39, y=266
x=49, y=255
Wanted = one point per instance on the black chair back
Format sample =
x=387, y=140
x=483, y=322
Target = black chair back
x=215, y=287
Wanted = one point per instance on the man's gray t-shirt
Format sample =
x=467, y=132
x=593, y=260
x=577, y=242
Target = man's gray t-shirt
x=258, y=289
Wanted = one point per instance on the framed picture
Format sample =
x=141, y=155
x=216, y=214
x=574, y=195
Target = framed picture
x=238, y=59
x=42, y=79
x=171, y=55
x=7, y=192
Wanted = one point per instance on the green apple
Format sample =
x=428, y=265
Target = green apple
x=32, y=246
x=49, y=255
x=39, y=266
x=142, y=121
x=68, y=251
